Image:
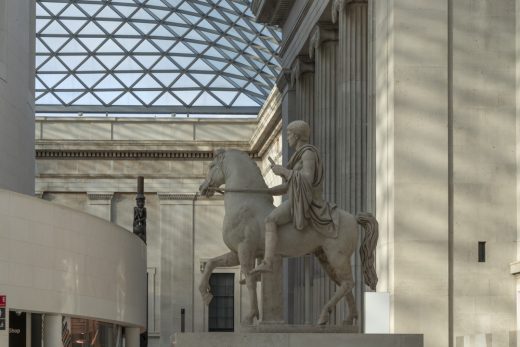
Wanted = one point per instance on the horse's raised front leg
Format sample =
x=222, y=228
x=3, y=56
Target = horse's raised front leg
x=247, y=263
x=225, y=260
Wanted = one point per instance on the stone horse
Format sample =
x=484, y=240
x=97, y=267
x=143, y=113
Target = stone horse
x=247, y=203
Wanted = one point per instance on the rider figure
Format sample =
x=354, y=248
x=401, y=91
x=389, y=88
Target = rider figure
x=303, y=181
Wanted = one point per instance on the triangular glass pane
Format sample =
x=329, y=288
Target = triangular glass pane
x=91, y=43
x=186, y=96
x=146, y=96
x=41, y=23
x=221, y=82
x=48, y=99
x=206, y=100
x=38, y=85
x=109, y=25
x=244, y=100
x=199, y=48
x=176, y=19
x=219, y=65
x=167, y=100
x=72, y=11
x=252, y=88
x=40, y=48
x=185, y=82
x=128, y=100
x=147, y=82
x=155, y=3
x=73, y=24
x=55, y=28
x=90, y=78
x=226, y=97
x=107, y=97
x=185, y=6
x=128, y=78
x=142, y=14
x=146, y=28
x=164, y=45
x=68, y=97
x=53, y=65
x=87, y=99
x=184, y=62
x=146, y=47
x=181, y=48
x=91, y=9
x=126, y=11
x=179, y=30
x=165, y=65
x=91, y=65
x=107, y=12
x=110, y=47
x=213, y=52
x=72, y=61
x=40, y=60
x=200, y=65
x=129, y=64
x=51, y=79
x=73, y=47
x=233, y=70
x=166, y=78
x=147, y=60
x=110, y=61
x=161, y=31
x=109, y=82
x=194, y=35
x=127, y=29
x=55, y=7
x=192, y=19
x=128, y=44
x=55, y=43
x=91, y=29
x=161, y=14
x=202, y=8
x=203, y=79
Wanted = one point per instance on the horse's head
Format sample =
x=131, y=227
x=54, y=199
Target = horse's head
x=215, y=177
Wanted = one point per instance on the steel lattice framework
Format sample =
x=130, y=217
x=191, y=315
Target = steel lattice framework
x=150, y=56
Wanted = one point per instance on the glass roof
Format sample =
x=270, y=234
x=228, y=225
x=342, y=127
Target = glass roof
x=153, y=56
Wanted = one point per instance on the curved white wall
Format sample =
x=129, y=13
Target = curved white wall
x=57, y=260
x=17, y=95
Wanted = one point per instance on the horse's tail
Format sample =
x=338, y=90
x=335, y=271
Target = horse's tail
x=368, y=247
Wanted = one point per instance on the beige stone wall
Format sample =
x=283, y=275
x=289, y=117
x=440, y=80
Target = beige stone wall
x=446, y=156
x=17, y=95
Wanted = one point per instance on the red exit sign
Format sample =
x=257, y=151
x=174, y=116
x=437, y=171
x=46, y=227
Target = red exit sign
x=3, y=300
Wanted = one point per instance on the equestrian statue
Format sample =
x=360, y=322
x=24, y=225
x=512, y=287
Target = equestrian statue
x=303, y=224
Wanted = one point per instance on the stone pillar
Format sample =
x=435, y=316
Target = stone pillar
x=302, y=79
x=132, y=337
x=52, y=330
x=352, y=126
x=100, y=204
x=323, y=45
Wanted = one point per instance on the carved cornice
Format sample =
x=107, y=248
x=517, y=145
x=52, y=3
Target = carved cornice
x=300, y=66
x=177, y=196
x=319, y=35
x=107, y=154
x=339, y=6
x=100, y=196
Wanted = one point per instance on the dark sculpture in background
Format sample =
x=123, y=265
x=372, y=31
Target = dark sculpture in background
x=140, y=211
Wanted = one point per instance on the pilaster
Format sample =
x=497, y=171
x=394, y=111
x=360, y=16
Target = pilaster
x=302, y=78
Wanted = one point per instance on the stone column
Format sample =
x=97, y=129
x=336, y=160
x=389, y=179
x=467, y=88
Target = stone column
x=302, y=79
x=52, y=330
x=353, y=120
x=323, y=45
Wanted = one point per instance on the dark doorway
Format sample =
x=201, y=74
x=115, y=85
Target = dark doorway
x=17, y=329
x=222, y=307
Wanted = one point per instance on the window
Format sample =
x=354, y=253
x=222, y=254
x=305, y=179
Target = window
x=481, y=251
x=222, y=307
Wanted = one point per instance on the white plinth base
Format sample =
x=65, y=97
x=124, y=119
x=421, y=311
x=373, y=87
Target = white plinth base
x=296, y=340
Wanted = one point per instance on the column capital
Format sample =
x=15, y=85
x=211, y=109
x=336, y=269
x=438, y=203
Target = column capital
x=284, y=80
x=339, y=6
x=319, y=35
x=300, y=66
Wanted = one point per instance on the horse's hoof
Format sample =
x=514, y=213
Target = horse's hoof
x=249, y=319
x=242, y=281
x=351, y=320
x=324, y=319
x=207, y=297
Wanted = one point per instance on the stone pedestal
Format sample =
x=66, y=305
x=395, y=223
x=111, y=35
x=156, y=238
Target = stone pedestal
x=295, y=340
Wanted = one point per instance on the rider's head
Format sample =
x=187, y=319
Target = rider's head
x=300, y=129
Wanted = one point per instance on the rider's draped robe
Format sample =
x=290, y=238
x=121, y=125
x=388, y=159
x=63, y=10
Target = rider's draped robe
x=308, y=206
